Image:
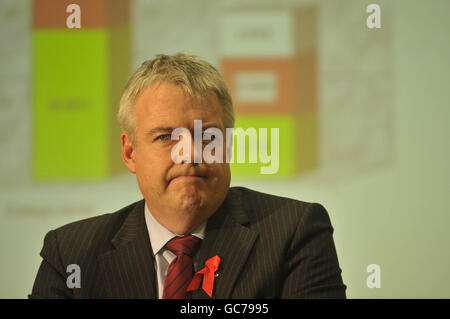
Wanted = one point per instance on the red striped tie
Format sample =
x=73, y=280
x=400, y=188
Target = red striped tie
x=181, y=269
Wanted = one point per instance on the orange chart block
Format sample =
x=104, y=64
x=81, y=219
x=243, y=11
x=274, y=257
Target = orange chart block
x=272, y=85
x=94, y=13
x=260, y=85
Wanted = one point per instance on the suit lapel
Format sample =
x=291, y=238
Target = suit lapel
x=227, y=237
x=129, y=267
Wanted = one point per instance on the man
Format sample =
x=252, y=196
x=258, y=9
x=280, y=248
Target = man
x=262, y=246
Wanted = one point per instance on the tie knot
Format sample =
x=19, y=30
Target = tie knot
x=186, y=245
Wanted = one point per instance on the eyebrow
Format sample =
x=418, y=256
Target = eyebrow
x=157, y=130
x=210, y=125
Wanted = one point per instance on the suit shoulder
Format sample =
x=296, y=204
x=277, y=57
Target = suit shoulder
x=251, y=197
x=265, y=205
x=91, y=233
x=97, y=221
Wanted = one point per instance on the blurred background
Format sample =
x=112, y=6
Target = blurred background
x=362, y=115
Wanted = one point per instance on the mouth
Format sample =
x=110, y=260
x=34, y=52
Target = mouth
x=188, y=178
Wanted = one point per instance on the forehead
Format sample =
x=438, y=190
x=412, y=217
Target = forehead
x=169, y=104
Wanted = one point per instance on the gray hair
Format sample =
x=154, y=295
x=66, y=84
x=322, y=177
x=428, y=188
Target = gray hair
x=195, y=76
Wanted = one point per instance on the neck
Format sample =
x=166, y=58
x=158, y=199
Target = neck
x=181, y=222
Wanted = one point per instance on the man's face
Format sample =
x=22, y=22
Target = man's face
x=180, y=196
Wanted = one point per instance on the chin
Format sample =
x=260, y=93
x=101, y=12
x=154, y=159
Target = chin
x=190, y=199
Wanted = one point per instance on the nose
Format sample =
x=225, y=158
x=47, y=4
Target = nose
x=195, y=155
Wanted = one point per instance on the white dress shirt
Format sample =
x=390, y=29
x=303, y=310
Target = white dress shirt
x=159, y=236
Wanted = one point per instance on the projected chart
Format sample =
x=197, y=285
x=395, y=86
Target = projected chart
x=77, y=78
x=269, y=61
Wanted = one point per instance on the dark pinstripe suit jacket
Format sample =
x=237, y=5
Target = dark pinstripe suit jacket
x=271, y=247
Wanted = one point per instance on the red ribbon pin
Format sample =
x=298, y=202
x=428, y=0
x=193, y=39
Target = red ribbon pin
x=211, y=266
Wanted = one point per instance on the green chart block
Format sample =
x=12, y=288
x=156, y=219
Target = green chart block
x=286, y=146
x=71, y=101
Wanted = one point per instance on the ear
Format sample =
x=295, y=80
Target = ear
x=128, y=152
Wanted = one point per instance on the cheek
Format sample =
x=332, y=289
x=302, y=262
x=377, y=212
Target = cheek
x=152, y=177
x=151, y=164
x=221, y=174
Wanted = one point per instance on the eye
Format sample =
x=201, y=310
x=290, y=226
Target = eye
x=163, y=137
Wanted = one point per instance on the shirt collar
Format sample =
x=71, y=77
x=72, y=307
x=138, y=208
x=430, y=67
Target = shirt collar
x=160, y=235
